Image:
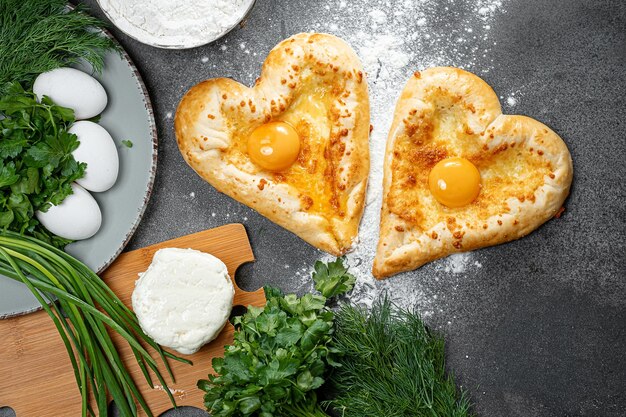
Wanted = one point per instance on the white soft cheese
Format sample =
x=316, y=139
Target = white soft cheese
x=184, y=298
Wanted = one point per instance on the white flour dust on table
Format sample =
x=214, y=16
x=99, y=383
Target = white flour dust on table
x=393, y=40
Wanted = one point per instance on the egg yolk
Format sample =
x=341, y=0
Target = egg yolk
x=274, y=146
x=454, y=182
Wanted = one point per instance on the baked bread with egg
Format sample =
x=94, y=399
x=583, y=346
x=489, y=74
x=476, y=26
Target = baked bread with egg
x=512, y=173
x=312, y=93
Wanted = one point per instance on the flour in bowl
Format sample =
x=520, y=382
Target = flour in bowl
x=175, y=23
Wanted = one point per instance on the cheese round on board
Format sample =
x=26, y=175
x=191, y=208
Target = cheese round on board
x=184, y=299
x=69, y=87
x=98, y=151
x=78, y=217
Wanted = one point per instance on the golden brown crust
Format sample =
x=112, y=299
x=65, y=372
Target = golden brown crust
x=526, y=171
x=316, y=83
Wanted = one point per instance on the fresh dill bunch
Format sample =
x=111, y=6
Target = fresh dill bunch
x=40, y=35
x=391, y=365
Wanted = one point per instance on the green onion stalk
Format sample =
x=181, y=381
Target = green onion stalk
x=83, y=309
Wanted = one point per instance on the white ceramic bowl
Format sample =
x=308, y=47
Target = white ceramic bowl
x=167, y=43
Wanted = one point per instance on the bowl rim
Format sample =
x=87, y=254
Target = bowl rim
x=178, y=47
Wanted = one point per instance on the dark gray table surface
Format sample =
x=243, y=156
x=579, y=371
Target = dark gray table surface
x=540, y=328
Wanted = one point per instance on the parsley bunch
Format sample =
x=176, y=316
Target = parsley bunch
x=36, y=163
x=280, y=354
x=384, y=362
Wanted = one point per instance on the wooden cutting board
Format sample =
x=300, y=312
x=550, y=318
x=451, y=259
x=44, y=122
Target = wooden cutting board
x=36, y=377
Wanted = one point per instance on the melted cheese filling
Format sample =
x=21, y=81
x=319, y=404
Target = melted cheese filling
x=431, y=136
x=313, y=174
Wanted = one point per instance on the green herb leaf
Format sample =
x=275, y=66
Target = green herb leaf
x=290, y=334
x=127, y=143
x=249, y=405
x=11, y=147
x=36, y=163
x=391, y=365
x=8, y=175
x=6, y=217
x=332, y=279
x=41, y=35
x=278, y=359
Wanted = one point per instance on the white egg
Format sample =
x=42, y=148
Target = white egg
x=69, y=87
x=78, y=217
x=98, y=151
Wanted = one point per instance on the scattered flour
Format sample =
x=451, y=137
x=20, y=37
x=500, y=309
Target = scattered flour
x=378, y=16
x=457, y=263
x=411, y=35
x=487, y=9
x=383, y=48
x=514, y=95
x=511, y=101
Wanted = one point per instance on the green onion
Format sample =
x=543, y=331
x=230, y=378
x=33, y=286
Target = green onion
x=83, y=308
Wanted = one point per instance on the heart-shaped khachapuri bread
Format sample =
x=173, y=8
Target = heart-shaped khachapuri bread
x=295, y=146
x=460, y=175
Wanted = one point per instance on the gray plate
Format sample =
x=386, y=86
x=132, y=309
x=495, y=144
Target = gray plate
x=128, y=116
